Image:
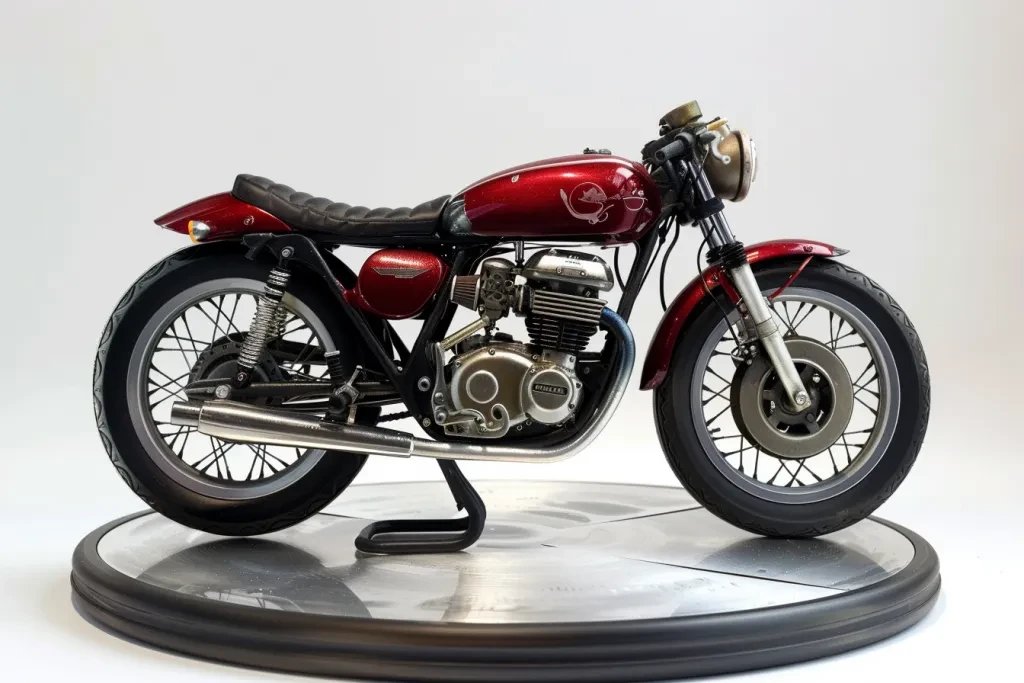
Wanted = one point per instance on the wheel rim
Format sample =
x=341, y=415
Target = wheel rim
x=165, y=355
x=851, y=335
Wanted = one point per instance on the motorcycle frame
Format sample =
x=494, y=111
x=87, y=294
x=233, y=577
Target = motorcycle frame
x=414, y=363
x=230, y=219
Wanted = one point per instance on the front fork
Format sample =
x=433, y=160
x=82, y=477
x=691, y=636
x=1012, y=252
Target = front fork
x=734, y=261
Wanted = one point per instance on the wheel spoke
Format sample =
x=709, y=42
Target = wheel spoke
x=178, y=340
x=864, y=372
x=722, y=412
x=727, y=382
x=188, y=330
x=849, y=457
x=785, y=320
x=835, y=467
x=231, y=318
x=217, y=332
x=797, y=323
x=178, y=387
x=803, y=463
x=714, y=394
x=263, y=452
x=297, y=362
x=857, y=398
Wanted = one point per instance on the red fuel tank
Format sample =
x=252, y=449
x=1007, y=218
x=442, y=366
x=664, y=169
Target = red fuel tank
x=397, y=283
x=585, y=195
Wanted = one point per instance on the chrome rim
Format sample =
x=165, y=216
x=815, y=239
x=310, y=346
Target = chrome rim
x=847, y=332
x=181, y=340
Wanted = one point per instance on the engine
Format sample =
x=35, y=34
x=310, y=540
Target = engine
x=497, y=383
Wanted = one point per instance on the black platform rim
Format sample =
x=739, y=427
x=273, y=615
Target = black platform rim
x=652, y=649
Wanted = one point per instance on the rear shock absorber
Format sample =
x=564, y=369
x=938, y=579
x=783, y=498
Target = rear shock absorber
x=265, y=322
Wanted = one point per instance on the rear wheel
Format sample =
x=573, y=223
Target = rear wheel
x=732, y=440
x=184, y=320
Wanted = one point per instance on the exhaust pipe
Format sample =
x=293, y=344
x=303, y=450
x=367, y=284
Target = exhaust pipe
x=240, y=422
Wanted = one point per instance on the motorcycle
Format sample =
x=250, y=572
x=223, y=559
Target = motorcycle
x=240, y=383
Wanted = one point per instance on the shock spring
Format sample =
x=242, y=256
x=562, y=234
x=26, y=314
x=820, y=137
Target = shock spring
x=266, y=322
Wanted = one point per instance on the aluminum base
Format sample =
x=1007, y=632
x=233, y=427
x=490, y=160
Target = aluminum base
x=569, y=582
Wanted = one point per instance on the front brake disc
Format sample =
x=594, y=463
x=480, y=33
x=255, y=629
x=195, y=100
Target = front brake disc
x=761, y=412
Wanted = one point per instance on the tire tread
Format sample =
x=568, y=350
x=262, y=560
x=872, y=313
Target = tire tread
x=722, y=508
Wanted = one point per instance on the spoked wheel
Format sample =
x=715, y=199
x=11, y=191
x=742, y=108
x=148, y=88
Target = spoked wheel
x=736, y=443
x=185, y=321
x=201, y=340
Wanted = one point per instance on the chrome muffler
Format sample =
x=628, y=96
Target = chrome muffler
x=244, y=423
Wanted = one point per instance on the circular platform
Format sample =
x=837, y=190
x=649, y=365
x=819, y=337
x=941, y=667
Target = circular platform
x=569, y=582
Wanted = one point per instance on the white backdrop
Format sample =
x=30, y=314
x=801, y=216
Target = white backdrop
x=888, y=128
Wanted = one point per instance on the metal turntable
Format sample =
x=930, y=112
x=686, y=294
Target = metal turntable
x=569, y=582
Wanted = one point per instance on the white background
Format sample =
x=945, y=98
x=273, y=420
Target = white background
x=888, y=128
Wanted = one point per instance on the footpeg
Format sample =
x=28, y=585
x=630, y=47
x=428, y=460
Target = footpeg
x=342, y=395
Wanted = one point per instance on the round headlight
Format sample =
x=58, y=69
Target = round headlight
x=732, y=181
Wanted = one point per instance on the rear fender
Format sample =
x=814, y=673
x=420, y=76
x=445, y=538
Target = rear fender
x=226, y=216
x=687, y=303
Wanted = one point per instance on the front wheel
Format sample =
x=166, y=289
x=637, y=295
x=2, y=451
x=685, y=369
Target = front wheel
x=183, y=321
x=732, y=440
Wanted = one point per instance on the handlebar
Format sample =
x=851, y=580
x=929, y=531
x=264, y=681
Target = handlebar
x=679, y=144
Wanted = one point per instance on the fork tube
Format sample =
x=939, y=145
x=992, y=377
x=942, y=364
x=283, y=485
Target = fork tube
x=715, y=227
x=719, y=235
x=768, y=332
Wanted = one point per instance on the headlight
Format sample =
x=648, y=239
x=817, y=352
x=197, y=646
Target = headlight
x=732, y=181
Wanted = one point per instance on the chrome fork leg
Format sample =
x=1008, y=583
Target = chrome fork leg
x=769, y=334
x=719, y=235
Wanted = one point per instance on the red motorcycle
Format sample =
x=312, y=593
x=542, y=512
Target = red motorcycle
x=240, y=383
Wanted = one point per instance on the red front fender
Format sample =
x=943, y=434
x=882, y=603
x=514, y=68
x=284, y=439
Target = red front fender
x=659, y=355
x=227, y=217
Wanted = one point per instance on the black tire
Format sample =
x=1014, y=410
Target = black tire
x=331, y=474
x=694, y=467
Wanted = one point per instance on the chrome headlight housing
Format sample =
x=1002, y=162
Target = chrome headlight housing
x=732, y=181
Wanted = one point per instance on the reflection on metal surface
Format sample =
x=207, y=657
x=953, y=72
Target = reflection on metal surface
x=854, y=557
x=552, y=552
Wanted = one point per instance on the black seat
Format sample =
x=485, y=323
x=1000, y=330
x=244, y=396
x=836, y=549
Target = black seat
x=305, y=212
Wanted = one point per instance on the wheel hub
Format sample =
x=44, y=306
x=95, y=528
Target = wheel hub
x=220, y=361
x=763, y=412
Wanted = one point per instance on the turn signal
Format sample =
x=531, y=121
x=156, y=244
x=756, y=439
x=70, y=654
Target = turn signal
x=198, y=231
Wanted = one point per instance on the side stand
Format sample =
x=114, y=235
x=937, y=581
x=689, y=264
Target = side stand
x=408, y=536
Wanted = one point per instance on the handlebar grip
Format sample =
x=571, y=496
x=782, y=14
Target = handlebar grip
x=676, y=148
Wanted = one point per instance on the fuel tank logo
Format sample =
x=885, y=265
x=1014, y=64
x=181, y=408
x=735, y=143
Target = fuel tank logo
x=588, y=202
x=400, y=273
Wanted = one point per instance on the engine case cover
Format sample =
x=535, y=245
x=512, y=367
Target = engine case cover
x=504, y=383
x=488, y=380
x=549, y=393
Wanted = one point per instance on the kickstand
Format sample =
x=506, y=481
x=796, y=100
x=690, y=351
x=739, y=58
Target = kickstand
x=431, y=535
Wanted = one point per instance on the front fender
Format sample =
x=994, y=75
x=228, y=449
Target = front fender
x=226, y=215
x=686, y=303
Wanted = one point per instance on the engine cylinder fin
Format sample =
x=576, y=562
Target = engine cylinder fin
x=567, y=306
x=561, y=321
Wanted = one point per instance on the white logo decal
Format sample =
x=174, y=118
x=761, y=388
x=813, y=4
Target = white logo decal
x=588, y=202
x=400, y=273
